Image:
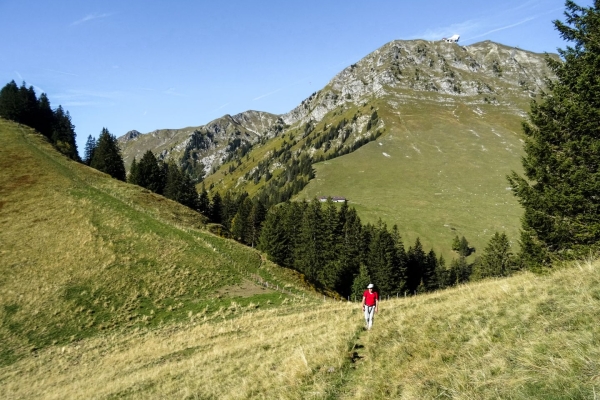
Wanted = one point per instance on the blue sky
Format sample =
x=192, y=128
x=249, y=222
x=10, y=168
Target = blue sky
x=149, y=65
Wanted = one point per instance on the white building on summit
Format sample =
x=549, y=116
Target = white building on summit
x=452, y=39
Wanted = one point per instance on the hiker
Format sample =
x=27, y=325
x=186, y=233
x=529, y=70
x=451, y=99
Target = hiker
x=370, y=304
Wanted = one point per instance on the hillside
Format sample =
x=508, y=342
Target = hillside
x=83, y=254
x=432, y=129
x=524, y=337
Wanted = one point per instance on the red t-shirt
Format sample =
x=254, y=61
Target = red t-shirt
x=370, y=298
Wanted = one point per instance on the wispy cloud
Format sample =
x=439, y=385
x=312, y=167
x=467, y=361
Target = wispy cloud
x=281, y=88
x=90, y=17
x=268, y=94
x=171, y=91
x=503, y=28
x=19, y=75
x=223, y=106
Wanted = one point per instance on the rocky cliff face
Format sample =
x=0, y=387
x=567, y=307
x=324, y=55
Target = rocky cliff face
x=202, y=148
x=484, y=72
x=398, y=73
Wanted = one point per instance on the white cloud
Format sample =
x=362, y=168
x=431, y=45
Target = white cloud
x=90, y=17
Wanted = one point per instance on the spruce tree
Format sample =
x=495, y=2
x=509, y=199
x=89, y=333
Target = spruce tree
x=63, y=134
x=361, y=280
x=134, y=175
x=90, y=147
x=204, y=202
x=150, y=176
x=216, y=208
x=107, y=156
x=10, y=102
x=497, y=258
x=45, y=117
x=562, y=149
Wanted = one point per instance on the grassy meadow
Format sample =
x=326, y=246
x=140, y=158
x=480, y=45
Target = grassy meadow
x=83, y=254
x=524, y=337
x=436, y=177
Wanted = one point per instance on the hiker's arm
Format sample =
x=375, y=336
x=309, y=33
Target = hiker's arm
x=363, y=303
x=377, y=305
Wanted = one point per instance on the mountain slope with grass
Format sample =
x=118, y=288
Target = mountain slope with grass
x=523, y=337
x=420, y=134
x=83, y=254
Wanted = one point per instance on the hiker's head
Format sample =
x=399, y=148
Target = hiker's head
x=370, y=286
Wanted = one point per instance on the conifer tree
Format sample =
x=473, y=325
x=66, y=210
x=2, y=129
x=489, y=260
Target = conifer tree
x=134, y=174
x=45, y=117
x=179, y=186
x=10, y=102
x=204, y=202
x=107, y=156
x=497, y=257
x=240, y=222
x=383, y=260
x=414, y=270
x=150, y=176
x=255, y=221
x=216, y=208
x=309, y=256
x=562, y=149
x=63, y=135
x=90, y=147
x=273, y=238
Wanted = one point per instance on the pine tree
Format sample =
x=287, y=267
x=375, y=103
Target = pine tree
x=63, y=135
x=150, y=176
x=239, y=223
x=178, y=187
x=45, y=117
x=10, y=102
x=216, y=208
x=107, y=156
x=309, y=256
x=134, y=173
x=383, y=261
x=204, y=202
x=497, y=258
x=273, y=238
x=416, y=258
x=255, y=221
x=90, y=147
x=562, y=149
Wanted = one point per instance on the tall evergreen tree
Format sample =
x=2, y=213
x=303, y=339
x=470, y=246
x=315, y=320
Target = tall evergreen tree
x=45, y=117
x=11, y=104
x=562, y=149
x=497, y=258
x=90, y=147
x=107, y=156
x=63, y=135
x=216, y=208
x=416, y=259
x=255, y=222
x=150, y=176
x=204, y=202
x=383, y=262
x=309, y=257
x=179, y=186
x=134, y=174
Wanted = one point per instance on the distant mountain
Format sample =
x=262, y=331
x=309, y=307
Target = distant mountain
x=203, y=147
x=433, y=128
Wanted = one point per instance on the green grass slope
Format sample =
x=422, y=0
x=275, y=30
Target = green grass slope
x=439, y=171
x=83, y=254
x=524, y=337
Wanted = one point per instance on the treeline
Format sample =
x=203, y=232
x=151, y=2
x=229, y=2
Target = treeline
x=20, y=104
x=166, y=179
x=333, y=249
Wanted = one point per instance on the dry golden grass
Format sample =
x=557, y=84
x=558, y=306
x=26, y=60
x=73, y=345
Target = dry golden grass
x=518, y=338
x=267, y=354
